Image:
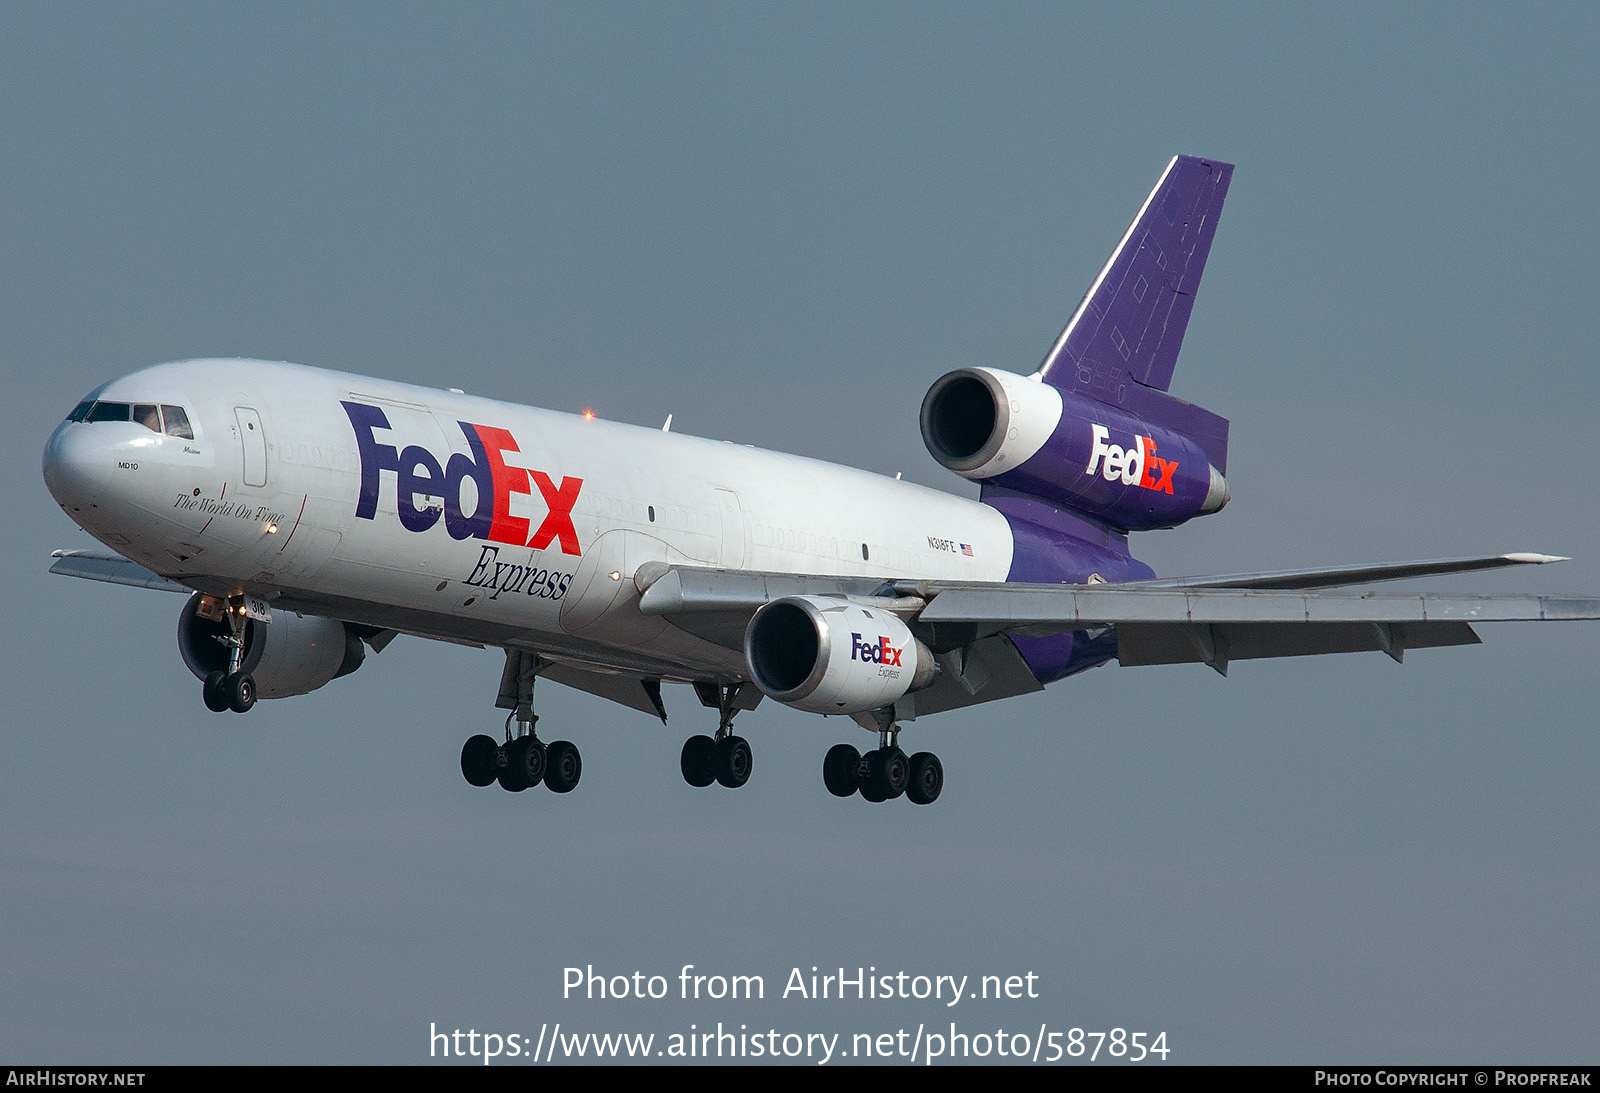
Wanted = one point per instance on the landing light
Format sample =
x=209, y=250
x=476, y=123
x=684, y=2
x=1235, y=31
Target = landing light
x=615, y=575
x=588, y=415
x=272, y=529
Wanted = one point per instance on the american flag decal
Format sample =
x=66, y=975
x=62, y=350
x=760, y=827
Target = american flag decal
x=966, y=549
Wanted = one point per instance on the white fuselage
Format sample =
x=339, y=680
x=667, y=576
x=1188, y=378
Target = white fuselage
x=266, y=497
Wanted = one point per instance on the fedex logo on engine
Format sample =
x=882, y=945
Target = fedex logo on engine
x=877, y=652
x=418, y=474
x=1136, y=466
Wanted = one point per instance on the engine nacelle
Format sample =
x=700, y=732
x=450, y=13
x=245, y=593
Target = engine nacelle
x=980, y=422
x=291, y=655
x=827, y=655
x=1025, y=435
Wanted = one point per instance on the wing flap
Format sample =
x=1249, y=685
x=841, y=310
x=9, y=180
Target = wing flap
x=1218, y=643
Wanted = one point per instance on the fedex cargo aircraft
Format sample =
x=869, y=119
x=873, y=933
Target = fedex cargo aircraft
x=312, y=516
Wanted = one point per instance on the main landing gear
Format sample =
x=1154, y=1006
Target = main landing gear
x=884, y=773
x=725, y=759
x=232, y=689
x=523, y=760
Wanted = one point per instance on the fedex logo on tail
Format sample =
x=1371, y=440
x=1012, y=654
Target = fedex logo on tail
x=1135, y=466
x=877, y=652
x=419, y=474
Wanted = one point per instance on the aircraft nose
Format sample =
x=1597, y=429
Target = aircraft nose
x=78, y=461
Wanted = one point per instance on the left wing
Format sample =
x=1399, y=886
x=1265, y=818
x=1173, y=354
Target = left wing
x=1215, y=626
x=1189, y=620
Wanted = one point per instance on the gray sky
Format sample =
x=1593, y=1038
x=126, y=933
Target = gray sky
x=781, y=224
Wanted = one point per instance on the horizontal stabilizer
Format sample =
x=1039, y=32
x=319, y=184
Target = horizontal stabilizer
x=1348, y=575
x=112, y=568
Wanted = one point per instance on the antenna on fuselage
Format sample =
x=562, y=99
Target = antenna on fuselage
x=667, y=428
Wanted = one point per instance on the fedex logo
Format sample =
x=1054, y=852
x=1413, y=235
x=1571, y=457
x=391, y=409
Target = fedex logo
x=1136, y=466
x=419, y=474
x=878, y=652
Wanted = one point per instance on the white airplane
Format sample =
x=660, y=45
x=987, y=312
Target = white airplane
x=312, y=515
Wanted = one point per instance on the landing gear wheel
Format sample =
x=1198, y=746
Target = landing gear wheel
x=732, y=761
x=211, y=692
x=839, y=770
x=888, y=772
x=477, y=760
x=526, y=756
x=869, y=792
x=510, y=777
x=695, y=762
x=927, y=779
x=240, y=691
x=563, y=766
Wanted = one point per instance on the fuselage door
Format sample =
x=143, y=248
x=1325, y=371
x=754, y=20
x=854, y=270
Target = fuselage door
x=732, y=529
x=254, y=440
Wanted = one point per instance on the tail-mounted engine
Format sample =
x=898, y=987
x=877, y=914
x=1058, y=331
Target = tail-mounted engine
x=1012, y=431
x=827, y=655
x=289, y=655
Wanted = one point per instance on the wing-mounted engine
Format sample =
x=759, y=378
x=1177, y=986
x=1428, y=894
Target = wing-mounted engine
x=1012, y=431
x=289, y=655
x=838, y=656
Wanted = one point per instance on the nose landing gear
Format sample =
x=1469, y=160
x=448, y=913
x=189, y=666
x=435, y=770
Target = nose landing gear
x=233, y=689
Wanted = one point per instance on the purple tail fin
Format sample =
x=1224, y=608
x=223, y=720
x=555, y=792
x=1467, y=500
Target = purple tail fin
x=1121, y=344
x=1131, y=322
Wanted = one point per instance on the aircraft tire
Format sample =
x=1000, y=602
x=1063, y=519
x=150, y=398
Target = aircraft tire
x=526, y=756
x=888, y=771
x=477, y=760
x=211, y=692
x=733, y=761
x=696, y=759
x=870, y=792
x=513, y=777
x=839, y=769
x=240, y=691
x=563, y=766
x=927, y=778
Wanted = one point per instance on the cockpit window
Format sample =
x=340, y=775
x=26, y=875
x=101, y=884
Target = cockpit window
x=108, y=411
x=171, y=420
x=177, y=422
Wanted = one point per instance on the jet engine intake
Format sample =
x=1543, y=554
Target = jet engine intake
x=828, y=655
x=291, y=655
x=980, y=422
